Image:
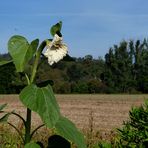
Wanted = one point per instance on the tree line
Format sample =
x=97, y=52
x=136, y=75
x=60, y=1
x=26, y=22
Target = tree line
x=123, y=70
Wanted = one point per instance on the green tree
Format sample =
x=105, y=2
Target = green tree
x=7, y=75
x=95, y=86
x=75, y=72
x=126, y=67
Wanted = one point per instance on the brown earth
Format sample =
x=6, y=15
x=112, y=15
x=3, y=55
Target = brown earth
x=104, y=112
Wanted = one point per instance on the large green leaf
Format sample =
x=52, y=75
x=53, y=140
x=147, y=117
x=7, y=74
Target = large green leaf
x=32, y=49
x=68, y=130
x=34, y=45
x=18, y=46
x=56, y=28
x=32, y=145
x=42, y=101
x=21, y=51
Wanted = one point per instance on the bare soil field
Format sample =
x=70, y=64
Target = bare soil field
x=105, y=112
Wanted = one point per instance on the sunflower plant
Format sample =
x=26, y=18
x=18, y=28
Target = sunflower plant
x=40, y=99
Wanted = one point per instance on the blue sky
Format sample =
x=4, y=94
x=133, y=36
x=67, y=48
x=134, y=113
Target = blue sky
x=89, y=26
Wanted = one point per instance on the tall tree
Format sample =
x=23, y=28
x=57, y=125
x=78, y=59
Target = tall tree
x=126, y=67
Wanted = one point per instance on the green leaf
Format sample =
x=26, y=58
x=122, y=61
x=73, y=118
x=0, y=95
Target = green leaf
x=32, y=49
x=42, y=101
x=34, y=45
x=21, y=51
x=17, y=47
x=32, y=145
x=68, y=130
x=56, y=28
x=2, y=106
x=5, y=62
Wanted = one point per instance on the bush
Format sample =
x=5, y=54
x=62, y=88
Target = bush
x=103, y=144
x=134, y=133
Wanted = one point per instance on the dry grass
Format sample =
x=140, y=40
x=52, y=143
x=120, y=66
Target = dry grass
x=96, y=115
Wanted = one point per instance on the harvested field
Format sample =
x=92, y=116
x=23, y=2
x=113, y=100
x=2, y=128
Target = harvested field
x=105, y=112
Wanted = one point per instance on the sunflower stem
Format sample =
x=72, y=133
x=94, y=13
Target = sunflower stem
x=34, y=70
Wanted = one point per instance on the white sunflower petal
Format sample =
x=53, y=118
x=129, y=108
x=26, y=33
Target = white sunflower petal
x=56, y=50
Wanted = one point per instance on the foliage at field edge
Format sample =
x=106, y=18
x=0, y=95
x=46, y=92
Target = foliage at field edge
x=134, y=132
x=124, y=70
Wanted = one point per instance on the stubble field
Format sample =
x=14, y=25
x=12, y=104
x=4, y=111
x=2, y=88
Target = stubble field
x=102, y=113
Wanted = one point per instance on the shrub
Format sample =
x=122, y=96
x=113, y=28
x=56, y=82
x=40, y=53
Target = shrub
x=134, y=133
